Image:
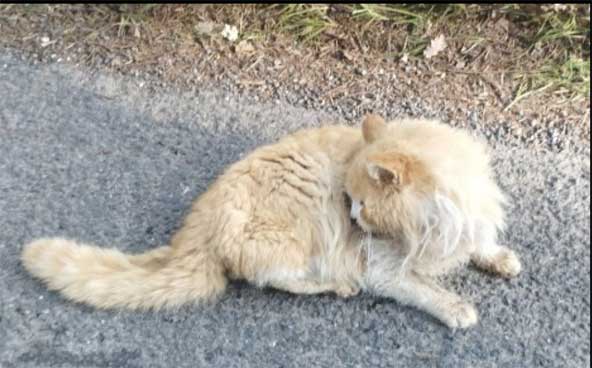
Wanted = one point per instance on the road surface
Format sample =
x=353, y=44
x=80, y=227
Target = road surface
x=105, y=160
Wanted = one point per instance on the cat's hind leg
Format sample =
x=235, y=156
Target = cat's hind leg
x=303, y=286
x=278, y=259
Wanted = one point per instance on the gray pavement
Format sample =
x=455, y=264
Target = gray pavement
x=100, y=159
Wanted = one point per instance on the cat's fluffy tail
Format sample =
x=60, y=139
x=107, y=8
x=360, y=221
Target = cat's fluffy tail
x=108, y=278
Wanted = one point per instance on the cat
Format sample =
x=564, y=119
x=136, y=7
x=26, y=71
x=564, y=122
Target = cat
x=333, y=209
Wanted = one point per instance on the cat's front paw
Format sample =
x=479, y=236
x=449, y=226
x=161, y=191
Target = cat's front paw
x=460, y=315
x=347, y=291
x=507, y=264
x=504, y=262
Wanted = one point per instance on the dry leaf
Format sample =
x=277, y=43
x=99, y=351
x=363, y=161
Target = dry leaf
x=230, y=32
x=436, y=46
x=207, y=28
x=244, y=47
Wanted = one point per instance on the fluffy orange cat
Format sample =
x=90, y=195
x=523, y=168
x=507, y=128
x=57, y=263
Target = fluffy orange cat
x=422, y=194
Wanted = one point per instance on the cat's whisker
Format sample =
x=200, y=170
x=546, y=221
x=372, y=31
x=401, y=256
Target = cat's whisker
x=403, y=266
x=368, y=249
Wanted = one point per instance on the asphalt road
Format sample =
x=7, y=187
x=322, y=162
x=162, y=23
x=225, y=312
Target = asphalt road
x=96, y=158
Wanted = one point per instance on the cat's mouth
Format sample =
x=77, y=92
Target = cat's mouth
x=355, y=223
x=348, y=205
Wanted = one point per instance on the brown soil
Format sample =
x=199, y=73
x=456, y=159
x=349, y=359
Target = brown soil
x=352, y=63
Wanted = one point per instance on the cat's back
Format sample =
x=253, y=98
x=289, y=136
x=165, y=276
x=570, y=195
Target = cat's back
x=339, y=142
x=328, y=146
x=299, y=169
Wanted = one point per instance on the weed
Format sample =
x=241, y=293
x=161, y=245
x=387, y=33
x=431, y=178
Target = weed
x=306, y=22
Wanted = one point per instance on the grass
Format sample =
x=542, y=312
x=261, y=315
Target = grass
x=413, y=17
x=306, y=22
x=397, y=14
x=554, y=27
x=563, y=35
x=552, y=54
x=570, y=79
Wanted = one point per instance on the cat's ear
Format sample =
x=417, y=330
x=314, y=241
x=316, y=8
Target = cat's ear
x=387, y=169
x=373, y=126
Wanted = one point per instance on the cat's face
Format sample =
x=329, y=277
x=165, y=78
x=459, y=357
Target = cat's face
x=386, y=182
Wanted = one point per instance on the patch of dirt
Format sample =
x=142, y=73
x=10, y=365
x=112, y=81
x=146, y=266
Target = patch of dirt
x=470, y=68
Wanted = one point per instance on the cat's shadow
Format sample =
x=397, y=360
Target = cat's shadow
x=132, y=183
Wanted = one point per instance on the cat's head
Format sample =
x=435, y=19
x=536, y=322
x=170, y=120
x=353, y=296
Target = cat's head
x=386, y=181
